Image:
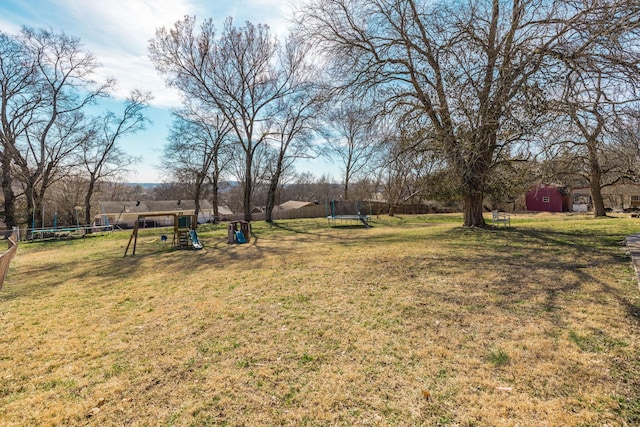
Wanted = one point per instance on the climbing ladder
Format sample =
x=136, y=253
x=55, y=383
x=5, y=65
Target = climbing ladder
x=183, y=239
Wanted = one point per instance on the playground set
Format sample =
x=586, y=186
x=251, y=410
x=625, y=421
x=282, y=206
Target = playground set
x=334, y=218
x=238, y=232
x=184, y=232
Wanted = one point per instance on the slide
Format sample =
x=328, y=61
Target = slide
x=194, y=239
x=240, y=237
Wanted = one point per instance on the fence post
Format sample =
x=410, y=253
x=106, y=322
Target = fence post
x=5, y=258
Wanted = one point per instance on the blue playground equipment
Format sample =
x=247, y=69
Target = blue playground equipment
x=239, y=232
x=194, y=239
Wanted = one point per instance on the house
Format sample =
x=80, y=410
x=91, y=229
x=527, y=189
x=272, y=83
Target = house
x=622, y=197
x=292, y=209
x=548, y=198
x=294, y=204
x=125, y=214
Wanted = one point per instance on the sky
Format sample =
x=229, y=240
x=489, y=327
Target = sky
x=117, y=33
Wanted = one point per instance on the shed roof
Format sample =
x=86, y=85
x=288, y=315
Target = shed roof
x=563, y=190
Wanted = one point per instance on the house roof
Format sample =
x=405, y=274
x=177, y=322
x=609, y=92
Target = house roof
x=618, y=189
x=294, y=204
x=158, y=206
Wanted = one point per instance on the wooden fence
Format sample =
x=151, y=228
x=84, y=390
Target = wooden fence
x=7, y=256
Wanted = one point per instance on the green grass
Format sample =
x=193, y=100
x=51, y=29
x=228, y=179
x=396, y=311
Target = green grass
x=416, y=321
x=499, y=358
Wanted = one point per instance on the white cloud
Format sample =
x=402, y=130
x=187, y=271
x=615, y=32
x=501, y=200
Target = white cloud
x=124, y=24
x=117, y=32
x=271, y=12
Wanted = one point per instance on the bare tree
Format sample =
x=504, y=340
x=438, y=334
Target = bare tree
x=17, y=102
x=407, y=163
x=599, y=95
x=118, y=191
x=308, y=187
x=295, y=123
x=47, y=156
x=198, y=151
x=63, y=200
x=626, y=139
x=352, y=137
x=57, y=126
x=101, y=155
x=470, y=69
x=238, y=74
x=172, y=190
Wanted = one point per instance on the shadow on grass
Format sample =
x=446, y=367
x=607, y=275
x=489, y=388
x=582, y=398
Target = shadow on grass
x=522, y=252
x=350, y=227
x=283, y=227
x=531, y=257
x=487, y=246
x=61, y=271
x=277, y=239
x=15, y=288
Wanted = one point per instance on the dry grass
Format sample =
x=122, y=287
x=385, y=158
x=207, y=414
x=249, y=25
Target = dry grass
x=413, y=322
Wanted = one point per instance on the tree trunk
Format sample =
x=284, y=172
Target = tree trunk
x=472, y=182
x=29, y=194
x=197, y=195
x=273, y=187
x=214, y=199
x=271, y=196
x=87, y=200
x=7, y=190
x=346, y=187
x=39, y=199
x=248, y=183
x=595, y=178
x=596, y=197
x=347, y=179
x=473, y=210
x=268, y=214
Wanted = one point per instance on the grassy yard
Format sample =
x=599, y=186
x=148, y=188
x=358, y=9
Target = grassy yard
x=415, y=321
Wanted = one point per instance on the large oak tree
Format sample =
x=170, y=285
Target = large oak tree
x=472, y=71
x=242, y=73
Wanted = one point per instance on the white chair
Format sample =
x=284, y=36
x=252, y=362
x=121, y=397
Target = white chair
x=498, y=218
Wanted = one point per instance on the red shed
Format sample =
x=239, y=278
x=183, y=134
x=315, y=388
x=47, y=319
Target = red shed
x=548, y=198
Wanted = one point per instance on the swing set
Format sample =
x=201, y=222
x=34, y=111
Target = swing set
x=184, y=231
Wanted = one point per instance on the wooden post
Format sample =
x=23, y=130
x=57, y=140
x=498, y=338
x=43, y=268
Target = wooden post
x=134, y=237
x=176, y=231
